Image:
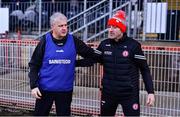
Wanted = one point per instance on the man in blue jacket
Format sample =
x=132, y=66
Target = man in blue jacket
x=52, y=67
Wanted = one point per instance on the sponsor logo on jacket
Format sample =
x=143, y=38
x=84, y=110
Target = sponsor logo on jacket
x=107, y=52
x=59, y=50
x=59, y=61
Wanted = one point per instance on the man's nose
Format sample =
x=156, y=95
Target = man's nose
x=111, y=28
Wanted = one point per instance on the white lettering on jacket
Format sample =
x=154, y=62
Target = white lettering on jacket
x=107, y=52
x=60, y=61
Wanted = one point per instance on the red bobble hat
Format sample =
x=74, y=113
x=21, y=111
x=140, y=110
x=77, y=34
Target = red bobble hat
x=119, y=20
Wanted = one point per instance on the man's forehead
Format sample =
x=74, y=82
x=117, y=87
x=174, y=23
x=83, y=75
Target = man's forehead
x=60, y=22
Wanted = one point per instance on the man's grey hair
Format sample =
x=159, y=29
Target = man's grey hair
x=57, y=16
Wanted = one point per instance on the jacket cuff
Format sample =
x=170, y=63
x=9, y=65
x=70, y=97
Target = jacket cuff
x=150, y=92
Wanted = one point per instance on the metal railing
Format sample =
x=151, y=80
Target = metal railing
x=90, y=24
x=15, y=91
x=154, y=20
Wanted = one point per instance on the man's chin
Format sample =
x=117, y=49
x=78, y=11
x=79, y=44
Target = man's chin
x=64, y=34
x=110, y=37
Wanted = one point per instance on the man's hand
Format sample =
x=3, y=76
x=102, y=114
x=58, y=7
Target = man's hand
x=150, y=99
x=36, y=93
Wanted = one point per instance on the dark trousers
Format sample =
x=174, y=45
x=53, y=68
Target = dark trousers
x=109, y=105
x=62, y=102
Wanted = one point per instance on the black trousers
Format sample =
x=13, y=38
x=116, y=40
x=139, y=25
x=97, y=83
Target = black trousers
x=62, y=102
x=110, y=103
